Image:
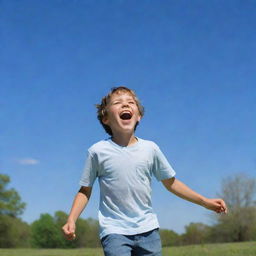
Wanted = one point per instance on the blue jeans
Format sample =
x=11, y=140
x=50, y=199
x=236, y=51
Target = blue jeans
x=148, y=243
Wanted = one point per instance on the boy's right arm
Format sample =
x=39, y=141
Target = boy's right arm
x=80, y=202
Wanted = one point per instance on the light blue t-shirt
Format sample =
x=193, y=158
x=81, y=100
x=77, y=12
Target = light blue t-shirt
x=124, y=175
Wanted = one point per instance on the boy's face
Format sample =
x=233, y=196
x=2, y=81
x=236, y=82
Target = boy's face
x=122, y=113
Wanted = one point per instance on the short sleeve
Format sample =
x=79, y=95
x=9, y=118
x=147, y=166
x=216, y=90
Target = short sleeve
x=90, y=170
x=161, y=167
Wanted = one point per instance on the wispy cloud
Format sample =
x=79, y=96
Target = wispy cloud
x=28, y=161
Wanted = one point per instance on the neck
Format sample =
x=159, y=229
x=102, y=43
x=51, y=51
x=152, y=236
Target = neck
x=124, y=139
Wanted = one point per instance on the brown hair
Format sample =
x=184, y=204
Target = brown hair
x=101, y=108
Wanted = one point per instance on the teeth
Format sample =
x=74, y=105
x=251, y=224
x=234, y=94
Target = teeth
x=125, y=112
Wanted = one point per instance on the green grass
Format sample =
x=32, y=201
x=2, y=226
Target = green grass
x=228, y=249
x=51, y=252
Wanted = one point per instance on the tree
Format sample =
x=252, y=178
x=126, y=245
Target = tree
x=239, y=193
x=45, y=233
x=60, y=219
x=10, y=201
x=87, y=231
x=14, y=232
x=169, y=237
x=196, y=233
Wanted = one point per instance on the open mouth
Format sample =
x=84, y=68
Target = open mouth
x=126, y=116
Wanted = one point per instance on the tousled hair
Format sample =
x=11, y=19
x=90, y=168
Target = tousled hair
x=102, y=107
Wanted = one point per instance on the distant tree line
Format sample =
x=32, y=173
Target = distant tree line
x=238, y=225
x=43, y=233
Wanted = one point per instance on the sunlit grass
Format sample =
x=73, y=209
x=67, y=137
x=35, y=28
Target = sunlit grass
x=227, y=249
x=51, y=252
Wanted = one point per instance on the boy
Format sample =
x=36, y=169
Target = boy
x=124, y=165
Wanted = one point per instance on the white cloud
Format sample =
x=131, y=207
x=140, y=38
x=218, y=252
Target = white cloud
x=28, y=161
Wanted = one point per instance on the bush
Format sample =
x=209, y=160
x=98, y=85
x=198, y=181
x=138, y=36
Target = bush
x=14, y=232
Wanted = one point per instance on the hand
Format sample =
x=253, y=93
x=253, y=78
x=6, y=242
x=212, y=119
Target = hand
x=217, y=205
x=69, y=230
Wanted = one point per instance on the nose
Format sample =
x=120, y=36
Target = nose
x=125, y=105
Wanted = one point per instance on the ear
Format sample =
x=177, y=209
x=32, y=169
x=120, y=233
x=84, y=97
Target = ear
x=139, y=118
x=105, y=120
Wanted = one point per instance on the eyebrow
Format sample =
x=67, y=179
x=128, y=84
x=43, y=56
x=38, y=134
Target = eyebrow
x=117, y=99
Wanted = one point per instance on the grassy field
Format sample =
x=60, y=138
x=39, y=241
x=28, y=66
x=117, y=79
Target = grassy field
x=230, y=249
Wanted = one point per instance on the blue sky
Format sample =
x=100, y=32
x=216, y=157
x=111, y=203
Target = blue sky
x=192, y=64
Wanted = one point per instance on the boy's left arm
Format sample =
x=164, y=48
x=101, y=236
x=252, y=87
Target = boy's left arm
x=180, y=189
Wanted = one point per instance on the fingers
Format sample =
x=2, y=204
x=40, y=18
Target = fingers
x=222, y=206
x=217, y=205
x=71, y=236
x=69, y=231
